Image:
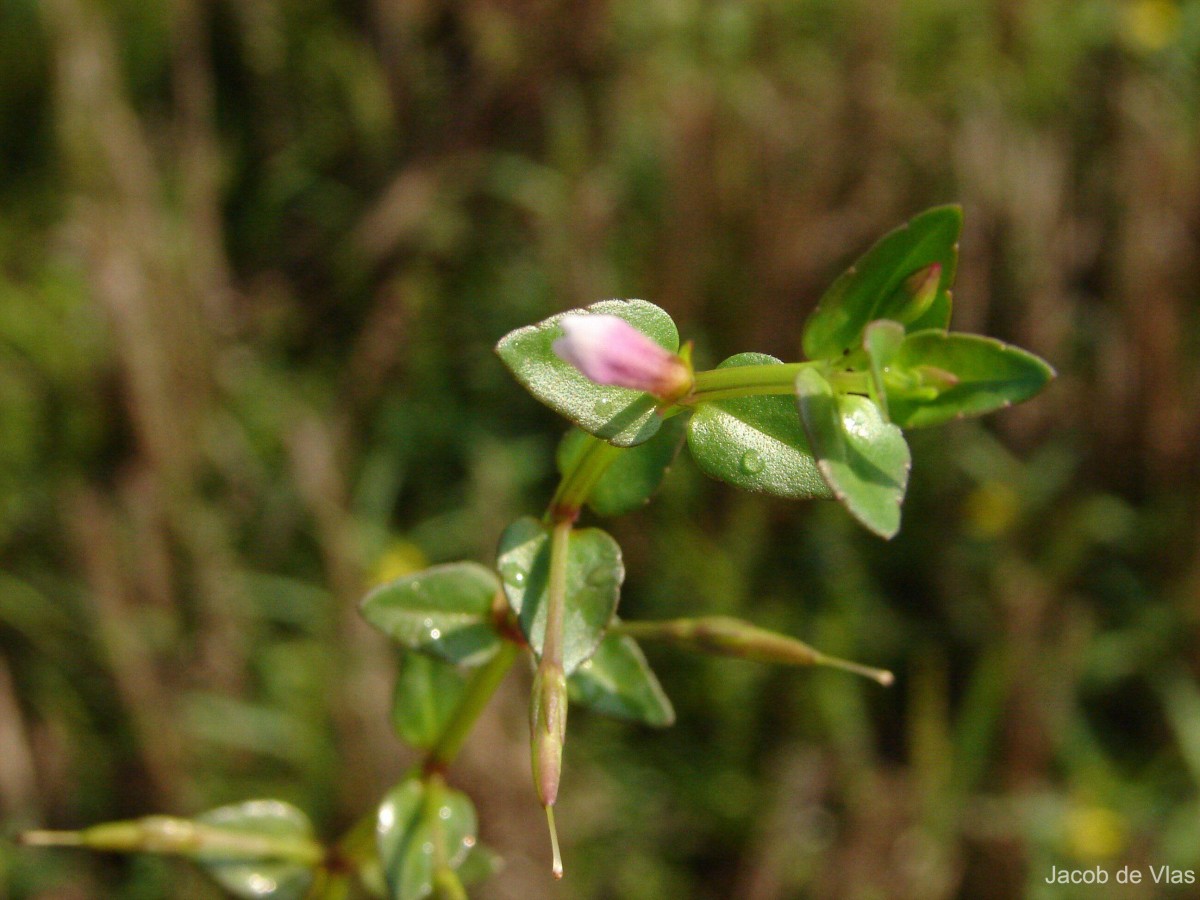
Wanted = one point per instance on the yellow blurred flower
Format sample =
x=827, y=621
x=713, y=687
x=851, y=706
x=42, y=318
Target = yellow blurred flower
x=991, y=509
x=1151, y=25
x=1094, y=832
x=398, y=559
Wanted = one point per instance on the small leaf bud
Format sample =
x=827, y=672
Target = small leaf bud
x=917, y=294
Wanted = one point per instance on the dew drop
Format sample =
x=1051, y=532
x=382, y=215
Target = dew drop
x=261, y=885
x=434, y=633
x=605, y=407
x=427, y=847
x=752, y=462
x=387, y=817
x=444, y=812
x=599, y=577
x=469, y=841
x=512, y=574
x=428, y=623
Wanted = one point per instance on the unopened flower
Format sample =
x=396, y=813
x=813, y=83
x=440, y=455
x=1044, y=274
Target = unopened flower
x=610, y=351
x=921, y=288
x=548, y=728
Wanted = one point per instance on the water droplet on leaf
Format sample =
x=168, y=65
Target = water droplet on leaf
x=261, y=885
x=605, y=407
x=752, y=462
x=599, y=577
x=512, y=574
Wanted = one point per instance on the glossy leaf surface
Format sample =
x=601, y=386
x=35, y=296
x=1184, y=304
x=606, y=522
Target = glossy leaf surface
x=427, y=692
x=881, y=339
x=988, y=375
x=420, y=825
x=621, y=416
x=250, y=878
x=594, y=575
x=755, y=443
x=617, y=681
x=864, y=460
x=872, y=286
x=445, y=611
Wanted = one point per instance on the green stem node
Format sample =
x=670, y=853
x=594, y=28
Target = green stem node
x=577, y=483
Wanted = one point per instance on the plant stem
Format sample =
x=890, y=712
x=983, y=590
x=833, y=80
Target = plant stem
x=750, y=381
x=549, y=703
x=578, y=481
x=479, y=691
x=556, y=594
x=357, y=845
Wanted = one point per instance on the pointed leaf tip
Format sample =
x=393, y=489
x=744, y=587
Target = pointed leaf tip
x=959, y=375
x=874, y=286
x=617, y=681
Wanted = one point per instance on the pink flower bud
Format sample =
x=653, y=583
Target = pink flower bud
x=610, y=351
x=922, y=288
x=548, y=729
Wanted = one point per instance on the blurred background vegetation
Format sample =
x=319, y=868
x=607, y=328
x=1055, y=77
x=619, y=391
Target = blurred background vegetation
x=253, y=258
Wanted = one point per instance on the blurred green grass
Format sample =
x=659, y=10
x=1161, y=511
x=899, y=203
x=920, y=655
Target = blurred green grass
x=254, y=256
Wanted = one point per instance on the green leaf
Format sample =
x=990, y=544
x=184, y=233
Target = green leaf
x=258, y=878
x=419, y=823
x=881, y=340
x=633, y=477
x=990, y=375
x=594, y=576
x=427, y=693
x=617, y=681
x=445, y=612
x=864, y=460
x=621, y=416
x=755, y=443
x=868, y=289
x=447, y=885
x=481, y=864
